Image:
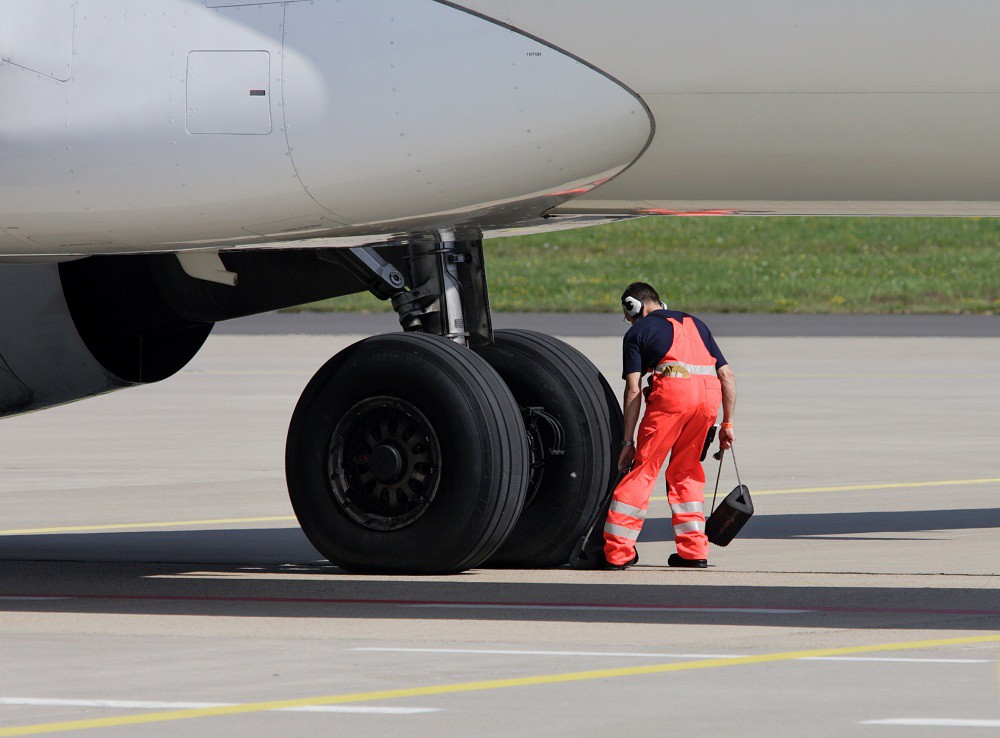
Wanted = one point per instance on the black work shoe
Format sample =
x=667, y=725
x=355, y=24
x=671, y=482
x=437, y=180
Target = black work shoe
x=678, y=560
x=622, y=567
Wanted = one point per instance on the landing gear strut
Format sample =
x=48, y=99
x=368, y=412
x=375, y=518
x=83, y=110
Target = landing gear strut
x=412, y=453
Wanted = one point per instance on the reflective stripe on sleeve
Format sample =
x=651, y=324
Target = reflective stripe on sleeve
x=626, y=509
x=689, y=527
x=621, y=531
x=686, y=507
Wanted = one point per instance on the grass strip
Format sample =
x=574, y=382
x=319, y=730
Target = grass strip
x=763, y=265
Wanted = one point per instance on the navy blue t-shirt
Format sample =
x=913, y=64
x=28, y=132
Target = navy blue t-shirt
x=651, y=337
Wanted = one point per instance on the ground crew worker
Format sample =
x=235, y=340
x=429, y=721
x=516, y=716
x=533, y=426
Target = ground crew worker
x=689, y=377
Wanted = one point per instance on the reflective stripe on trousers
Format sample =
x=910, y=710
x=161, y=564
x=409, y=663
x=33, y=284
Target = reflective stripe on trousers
x=623, y=524
x=621, y=531
x=631, y=511
x=687, y=507
x=689, y=526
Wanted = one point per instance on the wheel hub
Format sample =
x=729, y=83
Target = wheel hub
x=384, y=463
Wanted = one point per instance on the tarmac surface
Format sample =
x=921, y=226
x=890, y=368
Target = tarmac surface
x=154, y=582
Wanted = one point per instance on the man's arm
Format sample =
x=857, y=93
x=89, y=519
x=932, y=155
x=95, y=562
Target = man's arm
x=726, y=434
x=631, y=407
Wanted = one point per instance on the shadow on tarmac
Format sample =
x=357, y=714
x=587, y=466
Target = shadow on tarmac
x=853, y=524
x=265, y=545
x=280, y=575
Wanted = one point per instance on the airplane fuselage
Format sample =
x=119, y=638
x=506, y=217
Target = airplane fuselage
x=183, y=124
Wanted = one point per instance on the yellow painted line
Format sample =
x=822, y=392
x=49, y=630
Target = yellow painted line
x=533, y=681
x=292, y=519
x=861, y=487
x=127, y=526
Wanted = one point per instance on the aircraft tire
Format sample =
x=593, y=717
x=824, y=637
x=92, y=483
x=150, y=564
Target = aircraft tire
x=542, y=371
x=406, y=454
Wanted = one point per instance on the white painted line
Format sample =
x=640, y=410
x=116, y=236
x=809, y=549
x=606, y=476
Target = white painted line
x=607, y=608
x=936, y=723
x=899, y=661
x=134, y=705
x=501, y=652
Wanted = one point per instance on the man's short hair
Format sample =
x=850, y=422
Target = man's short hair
x=641, y=292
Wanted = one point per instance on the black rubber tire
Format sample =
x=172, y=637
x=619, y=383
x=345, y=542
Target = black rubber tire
x=543, y=371
x=484, y=463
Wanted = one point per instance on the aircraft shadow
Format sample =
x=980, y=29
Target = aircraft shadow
x=872, y=524
x=274, y=572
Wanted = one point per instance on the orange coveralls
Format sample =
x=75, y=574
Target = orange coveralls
x=681, y=404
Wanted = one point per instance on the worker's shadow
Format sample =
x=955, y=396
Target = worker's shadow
x=853, y=525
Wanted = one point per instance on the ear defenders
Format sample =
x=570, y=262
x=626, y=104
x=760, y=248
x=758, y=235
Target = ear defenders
x=631, y=306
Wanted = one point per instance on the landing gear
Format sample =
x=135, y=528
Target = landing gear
x=411, y=453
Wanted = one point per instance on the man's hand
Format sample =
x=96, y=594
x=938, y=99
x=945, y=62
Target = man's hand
x=625, y=458
x=727, y=436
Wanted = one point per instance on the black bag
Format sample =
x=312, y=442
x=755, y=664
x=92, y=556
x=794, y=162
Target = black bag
x=728, y=519
x=709, y=437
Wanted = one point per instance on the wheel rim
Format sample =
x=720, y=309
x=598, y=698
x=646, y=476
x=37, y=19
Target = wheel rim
x=384, y=463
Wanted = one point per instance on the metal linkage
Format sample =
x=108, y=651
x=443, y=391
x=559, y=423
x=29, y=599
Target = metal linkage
x=544, y=446
x=448, y=293
x=434, y=303
x=381, y=277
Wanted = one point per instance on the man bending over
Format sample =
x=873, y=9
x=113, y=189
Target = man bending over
x=689, y=378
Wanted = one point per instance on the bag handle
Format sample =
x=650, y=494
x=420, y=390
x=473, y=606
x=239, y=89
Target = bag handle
x=719, y=455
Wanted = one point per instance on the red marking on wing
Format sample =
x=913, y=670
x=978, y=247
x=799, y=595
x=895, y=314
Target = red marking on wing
x=684, y=213
x=577, y=191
